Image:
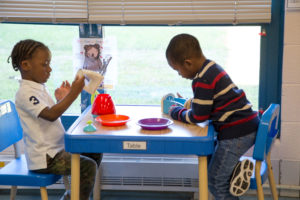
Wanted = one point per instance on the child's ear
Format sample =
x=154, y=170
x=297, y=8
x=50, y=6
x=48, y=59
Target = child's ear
x=188, y=63
x=25, y=65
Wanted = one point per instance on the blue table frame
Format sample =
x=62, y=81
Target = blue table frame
x=179, y=138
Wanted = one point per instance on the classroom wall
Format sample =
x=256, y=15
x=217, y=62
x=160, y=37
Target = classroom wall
x=286, y=154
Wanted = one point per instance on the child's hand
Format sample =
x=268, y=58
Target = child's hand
x=179, y=95
x=187, y=103
x=77, y=84
x=62, y=91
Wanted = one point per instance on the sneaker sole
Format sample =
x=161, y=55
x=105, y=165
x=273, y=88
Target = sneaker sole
x=240, y=181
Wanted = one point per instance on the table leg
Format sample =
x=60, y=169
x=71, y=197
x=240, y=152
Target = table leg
x=75, y=176
x=203, y=182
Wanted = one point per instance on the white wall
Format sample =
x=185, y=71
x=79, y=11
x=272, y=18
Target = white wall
x=286, y=155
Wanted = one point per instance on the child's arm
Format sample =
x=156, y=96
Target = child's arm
x=63, y=104
x=199, y=108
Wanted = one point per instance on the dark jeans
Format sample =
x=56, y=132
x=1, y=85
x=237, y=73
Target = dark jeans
x=223, y=162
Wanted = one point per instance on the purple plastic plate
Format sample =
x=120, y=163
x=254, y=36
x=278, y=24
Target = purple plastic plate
x=154, y=123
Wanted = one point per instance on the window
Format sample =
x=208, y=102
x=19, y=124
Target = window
x=143, y=74
x=58, y=38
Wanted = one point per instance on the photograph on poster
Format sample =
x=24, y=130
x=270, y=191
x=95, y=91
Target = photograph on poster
x=90, y=54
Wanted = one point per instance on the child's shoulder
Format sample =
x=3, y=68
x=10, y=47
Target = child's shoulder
x=210, y=69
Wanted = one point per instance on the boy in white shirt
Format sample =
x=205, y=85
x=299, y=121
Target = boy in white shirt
x=40, y=116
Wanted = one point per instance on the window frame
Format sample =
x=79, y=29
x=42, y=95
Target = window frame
x=271, y=58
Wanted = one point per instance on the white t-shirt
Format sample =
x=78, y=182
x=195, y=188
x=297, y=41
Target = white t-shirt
x=40, y=136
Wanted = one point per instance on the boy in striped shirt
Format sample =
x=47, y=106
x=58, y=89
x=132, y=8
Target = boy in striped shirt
x=218, y=99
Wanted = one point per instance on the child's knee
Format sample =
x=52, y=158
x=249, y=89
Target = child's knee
x=88, y=166
x=92, y=166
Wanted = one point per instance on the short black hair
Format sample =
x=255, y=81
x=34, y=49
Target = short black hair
x=182, y=47
x=24, y=50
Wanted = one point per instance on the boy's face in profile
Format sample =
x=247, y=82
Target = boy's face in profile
x=37, y=68
x=185, y=70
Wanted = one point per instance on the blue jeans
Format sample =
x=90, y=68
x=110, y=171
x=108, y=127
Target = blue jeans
x=223, y=162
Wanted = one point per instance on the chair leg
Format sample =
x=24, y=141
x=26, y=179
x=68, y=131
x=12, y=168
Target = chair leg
x=13, y=192
x=260, y=193
x=44, y=194
x=271, y=178
x=66, y=182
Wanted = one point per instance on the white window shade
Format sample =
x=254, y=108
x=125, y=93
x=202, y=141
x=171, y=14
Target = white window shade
x=137, y=12
x=73, y=11
x=179, y=12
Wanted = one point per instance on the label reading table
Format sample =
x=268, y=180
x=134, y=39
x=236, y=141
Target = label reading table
x=134, y=145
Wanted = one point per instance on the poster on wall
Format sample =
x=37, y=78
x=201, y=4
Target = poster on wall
x=95, y=54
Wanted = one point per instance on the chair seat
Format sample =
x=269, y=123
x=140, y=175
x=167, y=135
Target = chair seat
x=17, y=173
x=263, y=172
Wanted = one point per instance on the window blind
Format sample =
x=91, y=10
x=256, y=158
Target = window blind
x=179, y=11
x=73, y=11
x=137, y=12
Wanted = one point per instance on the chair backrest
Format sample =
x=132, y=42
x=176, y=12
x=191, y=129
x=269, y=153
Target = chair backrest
x=267, y=132
x=10, y=126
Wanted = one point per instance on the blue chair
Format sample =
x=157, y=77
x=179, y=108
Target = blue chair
x=266, y=135
x=15, y=173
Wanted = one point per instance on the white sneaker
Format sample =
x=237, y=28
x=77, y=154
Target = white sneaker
x=240, y=180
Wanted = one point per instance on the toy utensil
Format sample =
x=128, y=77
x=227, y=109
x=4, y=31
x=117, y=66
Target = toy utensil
x=105, y=64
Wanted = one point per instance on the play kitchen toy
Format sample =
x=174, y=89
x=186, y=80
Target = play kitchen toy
x=89, y=127
x=112, y=120
x=170, y=100
x=103, y=109
x=94, y=80
x=103, y=105
x=154, y=123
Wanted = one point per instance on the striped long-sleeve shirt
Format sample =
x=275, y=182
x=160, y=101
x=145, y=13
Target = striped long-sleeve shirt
x=218, y=99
